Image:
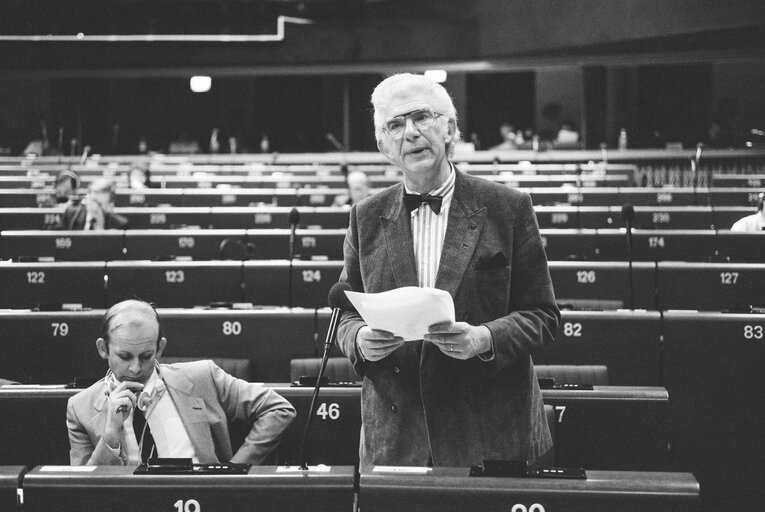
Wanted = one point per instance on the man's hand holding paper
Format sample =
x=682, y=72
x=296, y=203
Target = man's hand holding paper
x=461, y=340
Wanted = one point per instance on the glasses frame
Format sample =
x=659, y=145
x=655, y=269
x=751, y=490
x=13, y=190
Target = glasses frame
x=407, y=117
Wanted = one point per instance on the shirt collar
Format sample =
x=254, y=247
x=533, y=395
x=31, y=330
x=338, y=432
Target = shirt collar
x=445, y=190
x=152, y=382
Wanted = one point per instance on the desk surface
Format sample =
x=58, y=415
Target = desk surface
x=9, y=482
x=450, y=489
x=115, y=488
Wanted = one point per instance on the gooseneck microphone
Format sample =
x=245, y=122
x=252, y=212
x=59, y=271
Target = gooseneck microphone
x=695, y=170
x=294, y=220
x=628, y=213
x=339, y=302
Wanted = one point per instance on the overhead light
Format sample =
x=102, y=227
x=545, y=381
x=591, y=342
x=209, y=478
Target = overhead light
x=200, y=83
x=437, y=75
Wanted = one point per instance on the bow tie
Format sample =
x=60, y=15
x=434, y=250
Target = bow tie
x=413, y=201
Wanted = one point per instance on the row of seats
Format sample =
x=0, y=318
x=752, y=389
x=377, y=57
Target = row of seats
x=55, y=347
x=327, y=244
x=279, y=179
x=246, y=217
x=578, y=285
x=599, y=430
x=185, y=194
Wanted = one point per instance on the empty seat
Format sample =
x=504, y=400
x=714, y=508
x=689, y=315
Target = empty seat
x=339, y=369
x=584, y=375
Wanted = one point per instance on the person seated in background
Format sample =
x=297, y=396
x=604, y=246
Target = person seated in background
x=358, y=189
x=65, y=187
x=144, y=409
x=139, y=176
x=67, y=183
x=507, y=131
x=754, y=222
x=567, y=135
x=95, y=211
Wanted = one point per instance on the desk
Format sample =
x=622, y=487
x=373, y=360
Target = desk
x=115, y=488
x=609, y=427
x=447, y=490
x=9, y=483
x=714, y=373
x=55, y=347
x=627, y=342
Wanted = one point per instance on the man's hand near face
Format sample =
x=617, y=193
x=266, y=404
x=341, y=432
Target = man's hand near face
x=119, y=404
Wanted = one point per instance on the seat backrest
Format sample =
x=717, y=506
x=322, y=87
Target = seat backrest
x=585, y=375
x=339, y=369
x=239, y=368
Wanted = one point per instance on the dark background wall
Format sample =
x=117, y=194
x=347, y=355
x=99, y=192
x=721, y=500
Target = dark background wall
x=645, y=65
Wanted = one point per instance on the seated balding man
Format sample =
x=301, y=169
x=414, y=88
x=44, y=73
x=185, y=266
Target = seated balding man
x=143, y=409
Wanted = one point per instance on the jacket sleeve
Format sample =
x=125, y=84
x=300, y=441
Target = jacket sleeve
x=268, y=412
x=81, y=450
x=351, y=321
x=534, y=316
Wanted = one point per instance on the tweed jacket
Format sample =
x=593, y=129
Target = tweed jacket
x=420, y=406
x=206, y=398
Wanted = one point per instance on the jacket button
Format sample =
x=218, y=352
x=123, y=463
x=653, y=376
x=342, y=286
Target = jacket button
x=396, y=369
x=394, y=408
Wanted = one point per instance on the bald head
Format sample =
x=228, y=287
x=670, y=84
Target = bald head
x=131, y=314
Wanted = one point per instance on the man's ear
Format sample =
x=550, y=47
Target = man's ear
x=161, y=346
x=103, y=348
x=451, y=130
x=382, y=147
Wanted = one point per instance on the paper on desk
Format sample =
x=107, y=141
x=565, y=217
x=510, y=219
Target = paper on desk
x=406, y=312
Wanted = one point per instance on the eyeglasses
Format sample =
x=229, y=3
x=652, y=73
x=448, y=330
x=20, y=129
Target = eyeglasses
x=422, y=118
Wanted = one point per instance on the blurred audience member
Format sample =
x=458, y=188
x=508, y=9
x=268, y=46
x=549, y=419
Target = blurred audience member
x=139, y=176
x=358, y=189
x=67, y=183
x=507, y=131
x=95, y=211
x=754, y=222
x=567, y=135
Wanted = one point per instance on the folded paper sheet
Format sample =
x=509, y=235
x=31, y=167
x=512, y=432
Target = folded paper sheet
x=406, y=312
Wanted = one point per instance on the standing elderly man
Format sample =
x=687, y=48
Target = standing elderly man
x=144, y=409
x=467, y=392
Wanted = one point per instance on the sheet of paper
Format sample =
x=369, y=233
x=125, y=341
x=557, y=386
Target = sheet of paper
x=406, y=312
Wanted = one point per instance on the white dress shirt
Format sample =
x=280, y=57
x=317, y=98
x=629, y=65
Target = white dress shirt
x=429, y=231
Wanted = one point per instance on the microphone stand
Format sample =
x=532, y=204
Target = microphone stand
x=628, y=212
x=294, y=218
x=331, y=333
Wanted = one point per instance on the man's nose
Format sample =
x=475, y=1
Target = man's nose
x=135, y=366
x=410, y=130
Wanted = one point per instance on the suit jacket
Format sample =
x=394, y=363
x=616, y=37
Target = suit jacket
x=207, y=398
x=74, y=218
x=419, y=405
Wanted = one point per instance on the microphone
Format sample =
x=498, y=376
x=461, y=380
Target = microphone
x=294, y=220
x=332, y=140
x=695, y=169
x=339, y=302
x=628, y=212
x=579, y=197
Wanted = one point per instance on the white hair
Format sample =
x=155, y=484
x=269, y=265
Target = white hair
x=409, y=82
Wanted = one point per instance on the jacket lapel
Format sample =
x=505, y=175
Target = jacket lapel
x=192, y=411
x=462, y=233
x=397, y=229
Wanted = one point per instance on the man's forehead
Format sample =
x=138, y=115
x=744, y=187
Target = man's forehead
x=132, y=323
x=404, y=102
